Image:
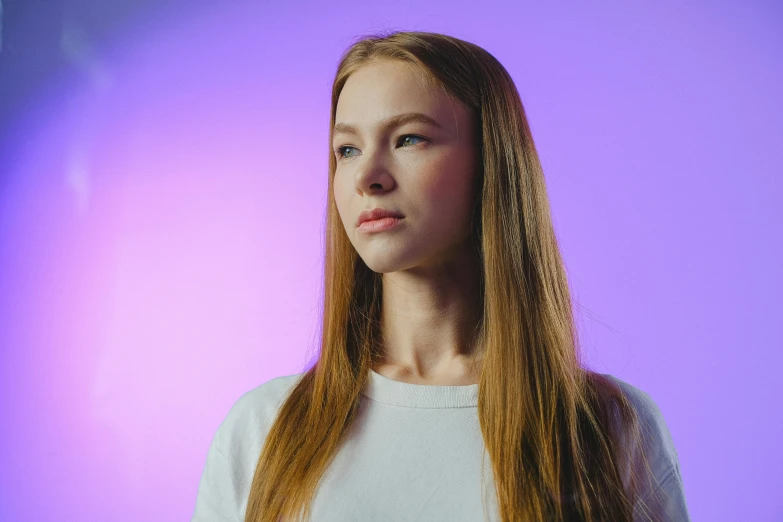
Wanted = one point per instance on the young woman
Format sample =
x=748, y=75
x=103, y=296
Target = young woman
x=449, y=384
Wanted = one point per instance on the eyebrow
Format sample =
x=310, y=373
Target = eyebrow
x=394, y=121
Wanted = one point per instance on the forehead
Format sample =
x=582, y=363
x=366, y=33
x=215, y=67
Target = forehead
x=388, y=74
x=383, y=89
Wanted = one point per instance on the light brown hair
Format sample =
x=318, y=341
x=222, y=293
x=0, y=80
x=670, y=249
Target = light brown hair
x=560, y=436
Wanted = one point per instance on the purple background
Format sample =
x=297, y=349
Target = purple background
x=161, y=221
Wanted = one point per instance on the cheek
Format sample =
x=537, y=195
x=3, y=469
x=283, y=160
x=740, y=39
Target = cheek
x=448, y=187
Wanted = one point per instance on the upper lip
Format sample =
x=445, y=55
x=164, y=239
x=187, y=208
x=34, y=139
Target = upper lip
x=376, y=213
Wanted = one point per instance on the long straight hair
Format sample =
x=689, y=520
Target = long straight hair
x=560, y=437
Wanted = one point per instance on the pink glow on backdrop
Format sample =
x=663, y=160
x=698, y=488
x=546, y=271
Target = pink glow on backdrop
x=152, y=272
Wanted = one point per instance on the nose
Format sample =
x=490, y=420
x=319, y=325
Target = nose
x=373, y=174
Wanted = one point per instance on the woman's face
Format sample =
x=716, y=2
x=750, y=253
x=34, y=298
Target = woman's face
x=427, y=177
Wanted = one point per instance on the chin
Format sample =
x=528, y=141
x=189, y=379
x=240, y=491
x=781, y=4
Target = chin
x=383, y=263
x=383, y=266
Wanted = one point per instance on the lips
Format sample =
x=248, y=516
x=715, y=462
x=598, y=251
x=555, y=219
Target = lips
x=377, y=213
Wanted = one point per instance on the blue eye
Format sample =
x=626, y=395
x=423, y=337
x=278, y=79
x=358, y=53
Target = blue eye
x=341, y=154
x=411, y=136
x=339, y=151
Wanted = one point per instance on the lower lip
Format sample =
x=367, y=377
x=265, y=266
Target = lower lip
x=379, y=225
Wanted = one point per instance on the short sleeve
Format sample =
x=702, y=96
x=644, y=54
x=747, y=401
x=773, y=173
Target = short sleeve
x=233, y=455
x=662, y=493
x=217, y=499
x=666, y=502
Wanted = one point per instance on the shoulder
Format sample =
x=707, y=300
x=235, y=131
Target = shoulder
x=251, y=415
x=655, y=430
x=662, y=489
x=233, y=454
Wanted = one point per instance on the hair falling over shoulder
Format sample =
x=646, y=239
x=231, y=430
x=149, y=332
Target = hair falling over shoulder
x=565, y=442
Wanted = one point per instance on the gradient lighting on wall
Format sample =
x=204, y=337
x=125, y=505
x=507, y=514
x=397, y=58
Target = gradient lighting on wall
x=161, y=224
x=161, y=232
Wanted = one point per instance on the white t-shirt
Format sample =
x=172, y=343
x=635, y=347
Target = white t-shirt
x=414, y=453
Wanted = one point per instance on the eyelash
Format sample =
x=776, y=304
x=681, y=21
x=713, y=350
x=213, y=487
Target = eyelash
x=340, y=154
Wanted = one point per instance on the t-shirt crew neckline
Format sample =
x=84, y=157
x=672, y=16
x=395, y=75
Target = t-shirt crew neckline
x=396, y=393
